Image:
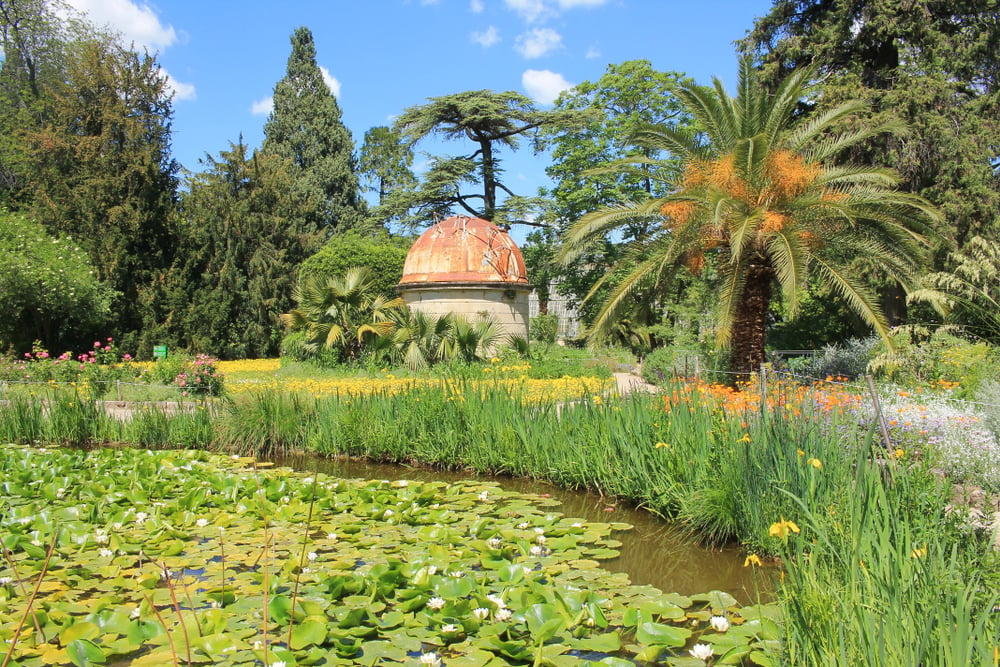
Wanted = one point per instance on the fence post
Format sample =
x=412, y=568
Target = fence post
x=118, y=389
x=697, y=367
x=883, y=427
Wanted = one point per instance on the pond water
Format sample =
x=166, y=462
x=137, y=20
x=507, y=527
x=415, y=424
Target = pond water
x=654, y=552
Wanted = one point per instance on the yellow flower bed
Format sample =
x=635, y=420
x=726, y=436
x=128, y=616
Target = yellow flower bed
x=531, y=390
x=248, y=366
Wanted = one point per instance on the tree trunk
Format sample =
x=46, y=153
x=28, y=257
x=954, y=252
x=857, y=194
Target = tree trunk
x=749, y=337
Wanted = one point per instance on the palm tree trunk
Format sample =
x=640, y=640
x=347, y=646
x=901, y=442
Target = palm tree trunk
x=750, y=327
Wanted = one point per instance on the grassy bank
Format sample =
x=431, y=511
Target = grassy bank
x=875, y=570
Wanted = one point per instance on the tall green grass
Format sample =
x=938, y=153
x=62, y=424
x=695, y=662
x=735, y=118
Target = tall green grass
x=879, y=575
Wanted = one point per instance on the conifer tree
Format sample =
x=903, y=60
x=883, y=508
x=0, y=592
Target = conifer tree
x=305, y=127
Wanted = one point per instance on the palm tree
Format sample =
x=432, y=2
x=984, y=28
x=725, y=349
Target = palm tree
x=757, y=196
x=341, y=311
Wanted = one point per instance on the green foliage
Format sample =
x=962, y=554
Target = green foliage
x=849, y=359
x=385, y=164
x=920, y=356
x=930, y=64
x=244, y=236
x=969, y=293
x=341, y=312
x=384, y=256
x=48, y=289
x=101, y=170
x=756, y=194
x=305, y=128
x=543, y=328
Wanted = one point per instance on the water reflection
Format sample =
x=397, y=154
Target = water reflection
x=654, y=552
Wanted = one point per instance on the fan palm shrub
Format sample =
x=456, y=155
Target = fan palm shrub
x=342, y=312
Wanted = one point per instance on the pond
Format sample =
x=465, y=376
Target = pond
x=655, y=552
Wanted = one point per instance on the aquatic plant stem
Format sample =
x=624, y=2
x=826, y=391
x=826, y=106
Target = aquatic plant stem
x=177, y=610
x=24, y=590
x=267, y=540
x=163, y=622
x=302, y=557
x=31, y=600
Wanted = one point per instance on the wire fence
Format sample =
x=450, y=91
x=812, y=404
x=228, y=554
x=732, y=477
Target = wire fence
x=103, y=388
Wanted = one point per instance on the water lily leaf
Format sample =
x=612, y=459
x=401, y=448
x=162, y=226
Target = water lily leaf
x=544, y=622
x=606, y=643
x=476, y=658
x=685, y=661
x=82, y=630
x=280, y=609
x=733, y=656
x=308, y=633
x=717, y=599
x=616, y=662
x=761, y=658
x=84, y=653
x=662, y=635
x=143, y=630
x=517, y=650
x=215, y=645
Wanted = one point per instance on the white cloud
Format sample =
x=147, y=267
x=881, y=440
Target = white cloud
x=330, y=82
x=571, y=4
x=486, y=39
x=544, y=86
x=181, y=91
x=537, y=42
x=137, y=23
x=529, y=10
x=592, y=52
x=262, y=107
x=476, y=6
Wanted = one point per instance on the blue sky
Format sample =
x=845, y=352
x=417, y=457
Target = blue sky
x=223, y=57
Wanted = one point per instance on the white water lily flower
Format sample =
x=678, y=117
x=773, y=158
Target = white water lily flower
x=494, y=542
x=481, y=613
x=101, y=537
x=539, y=531
x=540, y=539
x=278, y=663
x=435, y=604
x=5, y=581
x=484, y=496
x=307, y=480
x=458, y=574
x=332, y=537
x=430, y=659
x=312, y=555
x=537, y=550
x=719, y=623
x=107, y=553
x=504, y=614
x=432, y=569
x=701, y=651
x=497, y=600
x=449, y=627
x=201, y=523
x=140, y=517
x=524, y=525
x=134, y=614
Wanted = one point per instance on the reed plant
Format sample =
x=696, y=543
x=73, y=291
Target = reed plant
x=886, y=577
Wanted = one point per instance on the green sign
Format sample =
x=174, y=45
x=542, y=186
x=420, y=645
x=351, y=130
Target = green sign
x=159, y=351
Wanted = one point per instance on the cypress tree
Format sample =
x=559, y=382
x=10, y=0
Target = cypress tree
x=305, y=127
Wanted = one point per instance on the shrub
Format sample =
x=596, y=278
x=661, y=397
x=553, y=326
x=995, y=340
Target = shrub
x=849, y=359
x=543, y=328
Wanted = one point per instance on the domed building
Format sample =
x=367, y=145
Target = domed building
x=468, y=266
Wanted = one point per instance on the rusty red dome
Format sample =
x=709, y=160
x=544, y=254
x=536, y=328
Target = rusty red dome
x=464, y=250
